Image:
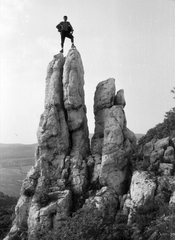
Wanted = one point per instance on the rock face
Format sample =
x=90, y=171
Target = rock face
x=155, y=184
x=112, y=142
x=63, y=144
x=160, y=155
x=65, y=168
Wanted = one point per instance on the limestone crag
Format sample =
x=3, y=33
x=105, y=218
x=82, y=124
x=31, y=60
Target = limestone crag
x=154, y=182
x=67, y=174
x=63, y=144
x=112, y=142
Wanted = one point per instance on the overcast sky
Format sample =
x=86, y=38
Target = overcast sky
x=132, y=41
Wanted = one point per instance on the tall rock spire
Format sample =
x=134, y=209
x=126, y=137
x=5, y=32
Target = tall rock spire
x=67, y=175
x=60, y=169
x=112, y=142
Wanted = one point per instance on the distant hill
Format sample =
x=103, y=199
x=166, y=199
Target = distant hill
x=8, y=151
x=139, y=135
x=15, y=162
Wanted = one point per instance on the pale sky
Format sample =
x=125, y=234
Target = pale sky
x=132, y=41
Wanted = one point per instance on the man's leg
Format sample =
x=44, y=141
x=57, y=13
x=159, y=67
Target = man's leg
x=62, y=39
x=69, y=35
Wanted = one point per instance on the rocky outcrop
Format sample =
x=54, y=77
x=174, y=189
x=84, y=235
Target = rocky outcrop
x=63, y=144
x=67, y=175
x=160, y=156
x=156, y=183
x=112, y=142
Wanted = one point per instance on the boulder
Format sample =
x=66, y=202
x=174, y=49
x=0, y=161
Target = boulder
x=147, y=149
x=169, y=155
x=104, y=94
x=142, y=188
x=119, y=98
x=162, y=143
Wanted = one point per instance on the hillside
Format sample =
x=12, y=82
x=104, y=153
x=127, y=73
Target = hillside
x=15, y=161
x=8, y=151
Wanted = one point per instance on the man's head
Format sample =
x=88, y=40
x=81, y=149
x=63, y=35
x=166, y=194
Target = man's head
x=65, y=18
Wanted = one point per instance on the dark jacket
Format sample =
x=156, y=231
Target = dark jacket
x=64, y=26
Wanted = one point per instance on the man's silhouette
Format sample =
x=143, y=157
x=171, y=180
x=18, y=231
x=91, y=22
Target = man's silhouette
x=66, y=30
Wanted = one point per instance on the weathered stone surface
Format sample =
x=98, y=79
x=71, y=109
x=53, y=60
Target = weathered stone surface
x=73, y=81
x=63, y=144
x=97, y=139
x=127, y=204
x=169, y=155
x=54, y=89
x=166, y=169
x=142, y=188
x=63, y=170
x=105, y=196
x=128, y=134
x=21, y=211
x=114, y=155
x=162, y=143
x=78, y=175
x=73, y=86
x=76, y=118
x=43, y=221
x=114, y=178
x=104, y=95
x=166, y=183
x=120, y=98
x=172, y=200
x=113, y=130
x=154, y=157
x=112, y=141
x=147, y=149
x=80, y=145
x=53, y=131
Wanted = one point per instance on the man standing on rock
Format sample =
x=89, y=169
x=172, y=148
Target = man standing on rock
x=66, y=30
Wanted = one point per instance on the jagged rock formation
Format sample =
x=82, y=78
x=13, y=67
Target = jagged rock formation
x=153, y=182
x=112, y=142
x=65, y=168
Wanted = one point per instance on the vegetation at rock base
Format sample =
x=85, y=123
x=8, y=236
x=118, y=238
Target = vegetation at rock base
x=154, y=221
x=94, y=224
x=7, y=206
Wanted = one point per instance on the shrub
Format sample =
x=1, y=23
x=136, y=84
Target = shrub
x=144, y=215
x=161, y=130
x=94, y=224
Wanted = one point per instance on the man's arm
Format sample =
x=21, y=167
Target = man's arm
x=59, y=27
x=71, y=28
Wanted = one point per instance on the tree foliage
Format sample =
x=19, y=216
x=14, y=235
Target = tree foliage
x=7, y=206
x=161, y=130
